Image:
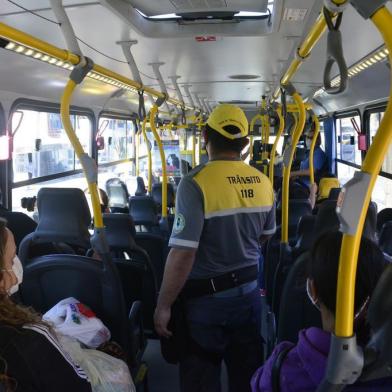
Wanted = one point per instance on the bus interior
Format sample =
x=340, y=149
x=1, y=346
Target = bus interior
x=113, y=95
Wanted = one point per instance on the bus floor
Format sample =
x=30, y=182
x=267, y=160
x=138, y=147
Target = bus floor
x=163, y=377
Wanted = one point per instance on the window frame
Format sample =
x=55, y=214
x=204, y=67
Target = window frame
x=116, y=116
x=49, y=107
x=346, y=114
x=379, y=108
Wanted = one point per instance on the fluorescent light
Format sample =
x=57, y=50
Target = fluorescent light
x=164, y=16
x=250, y=14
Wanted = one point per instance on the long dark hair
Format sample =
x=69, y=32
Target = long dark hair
x=323, y=270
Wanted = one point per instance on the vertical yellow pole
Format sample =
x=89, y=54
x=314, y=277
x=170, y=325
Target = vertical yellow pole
x=153, y=112
x=287, y=167
x=275, y=145
x=312, y=147
x=149, y=154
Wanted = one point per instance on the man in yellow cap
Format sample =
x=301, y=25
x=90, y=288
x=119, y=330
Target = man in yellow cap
x=224, y=209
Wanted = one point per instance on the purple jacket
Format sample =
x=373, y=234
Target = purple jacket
x=304, y=366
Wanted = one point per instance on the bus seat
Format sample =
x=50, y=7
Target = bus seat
x=385, y=239
x=304, y=236
x=271, y=261
x=378, y=352
x=383, y=216
x=156, y=194
x=334, y=193
x=51, y=278
x=19, y=223
x=325, y=186
x=118, y=195
x=144, y=212
x=141, y=187
x=64, y=219
x=296, y=311
x=137, y=272
x=297, y=209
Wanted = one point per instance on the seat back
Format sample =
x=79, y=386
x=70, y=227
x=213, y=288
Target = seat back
x=19, y=223
x=385, y=239
x=141, y=187
x=383, y=216
x=325, y=186
x=49, y=279
x=64, y=219
x=296, y=312
x=137, y=272
x=144, y=211
x=156, y=194
x=334, y=193
x=117, y=192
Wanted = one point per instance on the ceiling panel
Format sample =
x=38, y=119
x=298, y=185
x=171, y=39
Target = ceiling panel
x=154, y=7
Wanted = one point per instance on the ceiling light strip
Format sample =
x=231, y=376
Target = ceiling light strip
x=22, y=43
x=371, y=59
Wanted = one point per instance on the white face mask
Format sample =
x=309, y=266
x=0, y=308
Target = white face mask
x=312, y=300
x=17, y=269
x=308, y=143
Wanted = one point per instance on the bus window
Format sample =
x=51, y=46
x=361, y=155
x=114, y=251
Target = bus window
x=322, y=135
x=382, y=193
x=349, y=158
x=41, y=149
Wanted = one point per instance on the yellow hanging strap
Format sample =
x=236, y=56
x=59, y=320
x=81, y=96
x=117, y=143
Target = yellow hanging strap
x=316, y=124
x=149, y=154
x=288, y=160
x=153, y=113
x=275, y=145
x=361, y=185
x=88, y=164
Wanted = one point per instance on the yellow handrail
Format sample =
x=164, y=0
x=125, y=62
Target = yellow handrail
x=65, y=118
x=305, y=49
x=371, y=166
x=275, y=145
x=17, y=36
x=153, y=113
x=193, y=150
x=316, y=123
x=149, y=154
x=287, y=166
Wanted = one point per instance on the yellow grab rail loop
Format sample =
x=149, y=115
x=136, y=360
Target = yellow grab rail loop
x=288, y=160
x=153, y=113
x=88, y=164
x=371, y=166
x=275, y=145
x=149, y=154
x=316, y=123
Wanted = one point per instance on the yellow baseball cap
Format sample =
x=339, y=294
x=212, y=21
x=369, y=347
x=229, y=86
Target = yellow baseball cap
x=227, y=114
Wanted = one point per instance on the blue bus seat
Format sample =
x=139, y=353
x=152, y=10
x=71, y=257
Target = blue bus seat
x=156, y=193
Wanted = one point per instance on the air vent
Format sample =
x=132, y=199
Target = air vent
x=244, y=77
x=294, y=14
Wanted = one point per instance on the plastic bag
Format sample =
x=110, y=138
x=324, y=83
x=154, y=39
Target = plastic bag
x=105, y=373
x=72, y=318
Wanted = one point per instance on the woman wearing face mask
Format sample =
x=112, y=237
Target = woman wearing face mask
x=304, y=364
x=33, y=359
x=319, y=160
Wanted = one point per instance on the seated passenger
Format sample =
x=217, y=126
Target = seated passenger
x=320, y=161
x=304, y=365
x=33, y=359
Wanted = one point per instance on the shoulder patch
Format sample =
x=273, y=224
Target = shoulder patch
x=179, y=223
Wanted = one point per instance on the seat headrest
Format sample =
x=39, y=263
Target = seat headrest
x=120, y=231
x=64, y=216
x=117, y=192
x=156, y=193
x=383, y=216
x=385, y=240
x=325, y=186
x=334, y=193
x=143, y=210
x=141, y=187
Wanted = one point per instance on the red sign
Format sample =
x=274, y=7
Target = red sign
x=205, y=38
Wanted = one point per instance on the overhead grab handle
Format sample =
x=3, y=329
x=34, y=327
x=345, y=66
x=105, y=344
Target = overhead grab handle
x=334, y=55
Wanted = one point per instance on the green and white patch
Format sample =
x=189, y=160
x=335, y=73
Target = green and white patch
x=179, y=223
